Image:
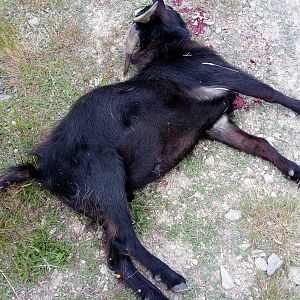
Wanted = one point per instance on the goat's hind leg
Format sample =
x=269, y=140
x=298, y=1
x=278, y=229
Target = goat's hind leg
x=225, y=131
x=104, y=190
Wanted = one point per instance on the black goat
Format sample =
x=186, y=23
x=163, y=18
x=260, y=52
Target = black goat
x=118, y=138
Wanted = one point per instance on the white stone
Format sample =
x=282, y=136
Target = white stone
x=33, y=22
x=261, y=264
x=294, y=275
x=210, y=161
x=194, y=261
x=256, y=253
x=269, y=179
x=218, y=30
x=274, y=263
x=233, y=215
x=227, y=281
x=244, y=246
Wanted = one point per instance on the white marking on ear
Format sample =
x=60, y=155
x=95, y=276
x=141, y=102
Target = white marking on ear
x=208, y=92
x=211, y=64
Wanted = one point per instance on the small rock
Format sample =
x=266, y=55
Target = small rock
x=218, y=30
x=210, y=161
x=294, y=275
x=194, y=261
x=14, y=123
x=233, y=215
x=104, y=270
x=244, y=246
x=269, y=179
x=274, y=263
x=252, y=4
x=4, y=97
x=227, y=281
x=34, y=22
x=105, y=288
x=261, y=264
x=256, y=253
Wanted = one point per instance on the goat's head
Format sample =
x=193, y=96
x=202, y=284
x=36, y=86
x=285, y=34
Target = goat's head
x=156, y=24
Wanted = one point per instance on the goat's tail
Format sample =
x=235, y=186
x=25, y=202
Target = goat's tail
x=17, y=174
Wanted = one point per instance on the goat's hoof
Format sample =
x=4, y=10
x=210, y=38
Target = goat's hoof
x=179, y=288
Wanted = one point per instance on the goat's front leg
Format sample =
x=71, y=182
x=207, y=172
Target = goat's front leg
x=221, y=74
x=225, y=131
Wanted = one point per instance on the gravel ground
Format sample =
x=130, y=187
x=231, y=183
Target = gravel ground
x=220, y=215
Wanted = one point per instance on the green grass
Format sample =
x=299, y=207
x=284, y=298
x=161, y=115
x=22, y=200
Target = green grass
x=38, y=255
x=42, y=80
x=141, y=208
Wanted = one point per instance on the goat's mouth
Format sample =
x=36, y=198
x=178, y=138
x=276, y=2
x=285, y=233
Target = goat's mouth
x=132, y=39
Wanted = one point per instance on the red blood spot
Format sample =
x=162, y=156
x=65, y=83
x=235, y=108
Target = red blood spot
x=238, y=103
x=197, y=18
x=247, y=107
x=177, y=2
x=186, y=10
x=258, y=101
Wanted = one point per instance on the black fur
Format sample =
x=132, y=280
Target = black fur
x=120, y=137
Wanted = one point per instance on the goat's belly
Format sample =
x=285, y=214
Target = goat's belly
x=174, y=149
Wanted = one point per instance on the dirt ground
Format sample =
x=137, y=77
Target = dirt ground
x=184, y=217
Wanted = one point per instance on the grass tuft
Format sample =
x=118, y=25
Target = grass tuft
x=275, y=221
x=38, y=255
x=140, y=215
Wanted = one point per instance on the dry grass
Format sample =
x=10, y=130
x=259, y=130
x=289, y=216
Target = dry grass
x=13, y=54
x=274, y=288
x=275, y=221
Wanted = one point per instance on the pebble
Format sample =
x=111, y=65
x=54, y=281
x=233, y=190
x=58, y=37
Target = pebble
x=194, y=261
x=104, y=270
x=4, y=97
x=261, y=264
x=244, y=246
x=227, y=281
x=252, y=4
x=269, y=179
x=256, y=253
x=274, y=263
x=210, y=161
x=233, y=215
x=34, y=22
x=294, y=275
x=105, y=288
x=218, y=30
